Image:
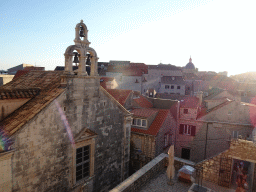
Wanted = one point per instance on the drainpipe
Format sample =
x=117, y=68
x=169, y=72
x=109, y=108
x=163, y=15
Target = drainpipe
x=206, y=138
x=178, y=120
x=123, y=155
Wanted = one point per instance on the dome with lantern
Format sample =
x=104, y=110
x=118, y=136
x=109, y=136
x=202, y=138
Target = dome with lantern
x=190, y=65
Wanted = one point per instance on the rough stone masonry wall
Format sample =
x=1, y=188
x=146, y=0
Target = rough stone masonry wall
x=239, y=149
x=42, y=160
x=93, y=109
x=168, y=126
x=42, y=157
x=6, y=172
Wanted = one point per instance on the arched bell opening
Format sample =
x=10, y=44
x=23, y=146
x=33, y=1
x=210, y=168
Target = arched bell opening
x=75, y=60
x=93, y=62
x=81, y=34
x=88, y=63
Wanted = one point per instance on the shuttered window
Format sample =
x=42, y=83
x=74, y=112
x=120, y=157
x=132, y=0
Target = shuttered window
x=187, y=129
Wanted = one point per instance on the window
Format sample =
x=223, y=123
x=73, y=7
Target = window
x=235, y=134
x=172, y=87
x=187, y=129
x=139, y=122
x=83, y=156
x=82, y=162
x=167, y=139
x=185, y=111
x=178, y=87
x=167, y=87
x=144, y=123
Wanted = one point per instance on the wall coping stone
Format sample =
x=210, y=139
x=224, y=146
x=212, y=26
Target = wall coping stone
x=139, y=174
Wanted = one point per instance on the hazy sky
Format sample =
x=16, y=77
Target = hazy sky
x=218, y=34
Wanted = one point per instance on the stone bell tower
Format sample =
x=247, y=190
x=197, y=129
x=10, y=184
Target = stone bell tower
x=84, y=53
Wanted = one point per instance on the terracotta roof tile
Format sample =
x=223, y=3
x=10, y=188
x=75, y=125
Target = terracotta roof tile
x=104, y=80
x=156, y=125
x=119, y=94
x=133, y=69
x=48, y=82
x=143, y=102
x=18, y=93
x=189, y=102
x=144, y=112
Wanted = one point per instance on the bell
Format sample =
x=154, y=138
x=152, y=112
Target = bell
x=76, y=58
x=81, y=33
x=88, y=62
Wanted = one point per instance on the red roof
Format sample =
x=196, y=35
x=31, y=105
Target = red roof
x=143, y=102
x=27, y=69
x=189, y=102
x=104, y=80
x=144, y=112
x=119, y=94
x=134, y=69
x=156, y=125
x=19, y=73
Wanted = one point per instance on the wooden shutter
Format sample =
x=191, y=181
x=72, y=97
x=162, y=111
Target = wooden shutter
x=193, y=130
x=181, y=128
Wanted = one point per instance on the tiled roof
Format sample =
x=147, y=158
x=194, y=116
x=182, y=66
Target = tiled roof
x=143, y=102
x=104, y=80
x=19, y=73
x=189, y=102
x=18, y=93
x=164, y=67
x=27, y=69
x=156, y=125
x=119, y=94
x=191, y=76
x=49, y=84
x=144, y=112
x=133, y=69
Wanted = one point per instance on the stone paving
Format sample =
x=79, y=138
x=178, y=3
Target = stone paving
x=159, y=184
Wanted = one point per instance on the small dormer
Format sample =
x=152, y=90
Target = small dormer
x=143, y=117
x=10, y=100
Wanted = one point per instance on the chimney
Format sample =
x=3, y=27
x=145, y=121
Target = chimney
x=199, y=95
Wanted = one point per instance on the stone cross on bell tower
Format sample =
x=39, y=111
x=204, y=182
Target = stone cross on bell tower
x=84, y=54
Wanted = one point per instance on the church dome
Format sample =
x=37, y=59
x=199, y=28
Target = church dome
x=190, y=65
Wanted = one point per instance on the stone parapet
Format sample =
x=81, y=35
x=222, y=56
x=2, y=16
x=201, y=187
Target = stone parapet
x=142, y=176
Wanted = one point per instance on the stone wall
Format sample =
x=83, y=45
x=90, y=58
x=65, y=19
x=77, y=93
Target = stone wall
x=146, y=143
x=217, y=168
x=6, y=172
x=7, y=106
x=43, y=157
x=5, y=79
x=145, y=174
x=168, y=126
x=180, y=91
x=218, y=138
